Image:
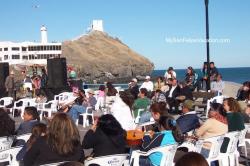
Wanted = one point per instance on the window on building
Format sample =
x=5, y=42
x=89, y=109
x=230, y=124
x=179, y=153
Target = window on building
x=6, y=57
x=1, y=59
x=24, y=48
x=25, y=57
x=6, y=49
x=15, y=49
x=1, y=49
x=15, y=56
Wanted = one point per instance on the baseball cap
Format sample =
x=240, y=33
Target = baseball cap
x=147, y=77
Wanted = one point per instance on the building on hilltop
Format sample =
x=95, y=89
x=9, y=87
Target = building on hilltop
x=97, y=25
x=30, y=52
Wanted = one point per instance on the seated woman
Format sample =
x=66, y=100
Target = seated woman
x=157, y=110
x=234, y=117
x=106, y=137
x=61, y=143
x=31, y=118
x=215, y=125
x=169, y=134
x=37, y=131
x=7, y=125
x=121, y=110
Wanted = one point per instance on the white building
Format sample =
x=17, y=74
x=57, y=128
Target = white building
x=97, y=25
x=30, y=52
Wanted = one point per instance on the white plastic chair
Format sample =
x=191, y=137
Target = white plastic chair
x=167, y=152
x=246, y=140
x=21, y=104
x=110, y=160
x=215, y=143
x=217, y=99
x=63, y=96
x=24, y=137
x=48, y=107
x=137, y=119
x=242, y=140
x=5, y=143
x=9, y=155
x=85, y=121
x=144, y=125
x=5, y=101
x=232, y=153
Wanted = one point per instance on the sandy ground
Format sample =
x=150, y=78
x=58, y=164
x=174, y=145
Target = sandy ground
x=231, y=89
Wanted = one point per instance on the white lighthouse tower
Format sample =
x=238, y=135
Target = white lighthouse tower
x=97, y=25
x=44, y=38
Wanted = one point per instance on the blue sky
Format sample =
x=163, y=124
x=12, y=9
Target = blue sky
x=143, y=25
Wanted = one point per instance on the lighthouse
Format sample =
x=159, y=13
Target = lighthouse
x=44, y=38
x=97, y=25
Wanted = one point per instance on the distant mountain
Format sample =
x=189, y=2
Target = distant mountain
x=98, y=56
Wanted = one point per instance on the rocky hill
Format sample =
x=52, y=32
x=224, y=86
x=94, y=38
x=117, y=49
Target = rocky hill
x=97, y=56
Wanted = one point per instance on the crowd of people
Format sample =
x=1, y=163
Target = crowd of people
x=168, y=103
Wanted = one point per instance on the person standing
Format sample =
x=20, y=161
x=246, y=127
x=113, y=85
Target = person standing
x=213, y=71
x=10, y=84
x=44, y=79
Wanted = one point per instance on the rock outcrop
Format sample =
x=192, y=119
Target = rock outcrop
x=97, y=56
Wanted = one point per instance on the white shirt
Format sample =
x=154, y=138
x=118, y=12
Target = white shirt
x=171, y=91
x=123, y=115
x=217, y=86
x=148, y=85
x=167, y=75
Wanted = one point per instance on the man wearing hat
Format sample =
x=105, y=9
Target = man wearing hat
x=189, y=120
x=148, y=84
x=134, y=88
x=90, y=101
x=10, y=84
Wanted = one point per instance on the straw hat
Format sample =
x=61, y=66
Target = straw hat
x=91, y=91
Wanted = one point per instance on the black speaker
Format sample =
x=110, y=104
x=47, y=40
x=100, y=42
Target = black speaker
x=57, y=72
x=4, y=72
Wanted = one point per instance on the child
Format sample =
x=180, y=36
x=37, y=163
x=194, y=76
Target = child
x=31, y=118
x=169, y=134
x=37, y=131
